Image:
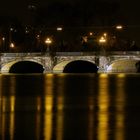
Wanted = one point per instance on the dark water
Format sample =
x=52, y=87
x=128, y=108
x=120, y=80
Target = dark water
x=70, y=107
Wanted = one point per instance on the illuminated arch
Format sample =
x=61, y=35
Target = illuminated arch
x=60, y=66
x=123, y=65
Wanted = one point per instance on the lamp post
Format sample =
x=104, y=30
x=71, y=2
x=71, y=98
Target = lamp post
x=3, y=44
x=102, y=43
x=102, y=40
x=119, y=27
x=48, y=41
x=12, y=46
x=59, y=28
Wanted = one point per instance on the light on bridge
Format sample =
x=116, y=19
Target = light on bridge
x=59, y=29
x=48, y=41
x=119, y=27
x=3, y=38
x=90, y=33
x=105, y=35
x=12, y=45
x=102, y=39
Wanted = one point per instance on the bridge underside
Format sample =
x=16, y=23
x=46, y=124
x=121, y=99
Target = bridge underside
x=80, y=66
x=77, y=66
x=22, y=67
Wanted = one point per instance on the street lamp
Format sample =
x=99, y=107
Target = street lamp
x=102, y=40
x=59, y=28
x=12, y=46
x=48, y=41
x=119, y=27
x=3, y=43
x=90, y=33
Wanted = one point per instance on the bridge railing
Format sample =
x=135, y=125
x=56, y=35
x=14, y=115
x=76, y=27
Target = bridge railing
x=70, y=53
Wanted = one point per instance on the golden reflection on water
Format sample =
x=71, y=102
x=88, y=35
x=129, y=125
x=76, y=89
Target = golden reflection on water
x=48, y=104
x=120, y=110
x=91, y=119
x=38, y=118
x=3, y=125
x=12, y=85
x=60, y=107
x=7, y=108
x=50, y=114
x=12, y=125
x=103, y=104
x=7, y=111
x=38, y=101
x=91, y=105
x=59, y=127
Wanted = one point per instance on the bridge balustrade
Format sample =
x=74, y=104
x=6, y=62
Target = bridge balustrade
x=50, y=60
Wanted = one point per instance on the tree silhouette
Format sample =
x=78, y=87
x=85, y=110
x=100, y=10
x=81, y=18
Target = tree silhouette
x=12, y=30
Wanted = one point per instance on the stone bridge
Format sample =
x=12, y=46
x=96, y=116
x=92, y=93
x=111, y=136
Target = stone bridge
x=55, y=62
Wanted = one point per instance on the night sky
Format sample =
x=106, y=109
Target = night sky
x=132, y=10
x=19, y=8
x=129, y=8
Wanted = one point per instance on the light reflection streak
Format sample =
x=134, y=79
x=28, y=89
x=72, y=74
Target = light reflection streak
x=38, y=125
x=3, y=117
x=59, y=129
x=12, y=85
x=91, y=118
x=8, y=111
x=91, y=106
x=1, y=114
x=48, y=104
x=48, y=125
x=38, y=118
x=38, y=104
x=4, y=101
x=12, y=117
x=103, y=103
x=121, y=75
x=12, y=107
x=12, y=103
x=3, y=125
x=0, y=92
x=120, y=104
x=60, y=107
x=12, y=125
x=103, y=75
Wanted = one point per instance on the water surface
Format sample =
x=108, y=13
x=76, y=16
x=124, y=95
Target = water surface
x=69, y=106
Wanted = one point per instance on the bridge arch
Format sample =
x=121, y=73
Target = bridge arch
x=62, y=65
x=123, y=65
x=80, y=66
x=22, y=66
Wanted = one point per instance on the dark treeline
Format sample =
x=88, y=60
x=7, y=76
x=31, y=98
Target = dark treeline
x=77, y=19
